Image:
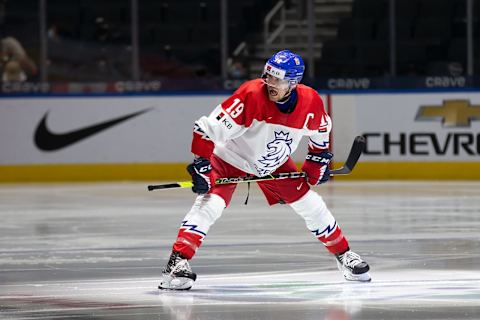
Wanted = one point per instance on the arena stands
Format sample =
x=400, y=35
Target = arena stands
x=90, y=40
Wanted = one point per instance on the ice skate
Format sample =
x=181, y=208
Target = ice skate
x=177, y=275
x=353, y=267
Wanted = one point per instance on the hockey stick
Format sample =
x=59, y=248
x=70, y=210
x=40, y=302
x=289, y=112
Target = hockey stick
x=352, y=159
x=355, y=152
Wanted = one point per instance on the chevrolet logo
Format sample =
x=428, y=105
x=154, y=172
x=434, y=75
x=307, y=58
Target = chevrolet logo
x=453, y=113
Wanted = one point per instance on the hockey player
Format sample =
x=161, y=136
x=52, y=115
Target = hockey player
x=254, y=132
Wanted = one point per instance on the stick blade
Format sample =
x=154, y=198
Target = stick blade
x=355, y=152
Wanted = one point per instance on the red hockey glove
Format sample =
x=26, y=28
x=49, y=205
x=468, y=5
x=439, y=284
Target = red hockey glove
x=201, y=172
x=316, y=167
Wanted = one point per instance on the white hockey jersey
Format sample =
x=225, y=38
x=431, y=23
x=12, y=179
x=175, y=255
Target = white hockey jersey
x=249, y=132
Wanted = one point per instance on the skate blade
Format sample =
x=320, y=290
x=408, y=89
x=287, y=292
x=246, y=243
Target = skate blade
x=364, y=277
x=171, y=283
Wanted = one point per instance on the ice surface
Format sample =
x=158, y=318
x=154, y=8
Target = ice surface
x=95, y=251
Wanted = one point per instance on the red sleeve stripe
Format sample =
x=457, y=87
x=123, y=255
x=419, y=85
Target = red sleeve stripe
x=202, y=147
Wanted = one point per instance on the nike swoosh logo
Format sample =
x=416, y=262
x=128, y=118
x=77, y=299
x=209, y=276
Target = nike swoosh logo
x=48, y=141
x=300, y=186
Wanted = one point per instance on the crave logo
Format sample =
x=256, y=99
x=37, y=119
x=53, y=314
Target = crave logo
x=452, y=113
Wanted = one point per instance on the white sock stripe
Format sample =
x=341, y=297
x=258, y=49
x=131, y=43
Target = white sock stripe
x=334, y=241
x=189, y=243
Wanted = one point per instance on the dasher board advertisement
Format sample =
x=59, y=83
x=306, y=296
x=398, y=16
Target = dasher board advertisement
x=420, y=127
x=99, y=129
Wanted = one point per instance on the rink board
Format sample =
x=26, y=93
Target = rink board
x=177, y=172
x=409, y=136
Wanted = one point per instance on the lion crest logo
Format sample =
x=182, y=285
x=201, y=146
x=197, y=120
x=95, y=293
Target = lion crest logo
x=277, y=151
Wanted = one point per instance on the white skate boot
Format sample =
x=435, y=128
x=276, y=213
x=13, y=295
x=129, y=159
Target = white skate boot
x=353, y=267
x=177, y=275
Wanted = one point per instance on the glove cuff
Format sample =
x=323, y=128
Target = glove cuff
x=322, y=158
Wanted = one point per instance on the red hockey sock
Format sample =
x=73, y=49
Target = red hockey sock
x=336, y=243
x=187, y=243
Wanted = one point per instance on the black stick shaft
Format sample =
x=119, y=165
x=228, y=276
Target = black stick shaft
x=352, y=159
